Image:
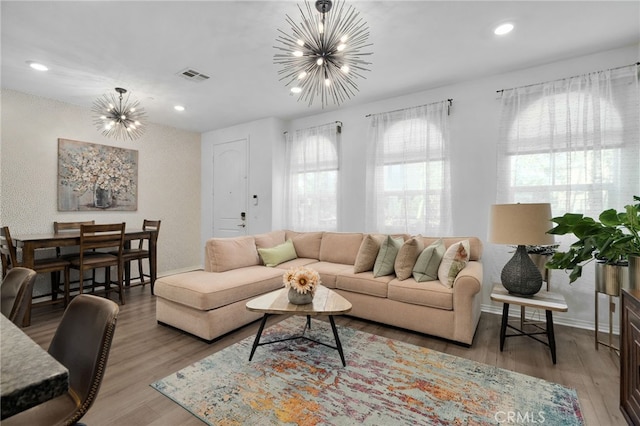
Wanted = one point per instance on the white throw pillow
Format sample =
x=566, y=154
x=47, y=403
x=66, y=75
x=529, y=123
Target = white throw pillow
x=455, y=259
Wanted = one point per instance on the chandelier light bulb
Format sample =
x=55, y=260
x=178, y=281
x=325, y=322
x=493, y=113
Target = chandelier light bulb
x=300, y=42
x=296, y=89
x=297, y=53
x=341, y=47
x=302, y=75
x=321, y=28
x=327, y=82
x=344, y=38
x=345, y=69
x=319, y=62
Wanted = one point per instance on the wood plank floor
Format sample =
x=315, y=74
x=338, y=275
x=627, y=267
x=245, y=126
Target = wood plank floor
x=144, y=352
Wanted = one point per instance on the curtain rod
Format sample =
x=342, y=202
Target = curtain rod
x=567, y=78
x=339, y=123
x=404, y=109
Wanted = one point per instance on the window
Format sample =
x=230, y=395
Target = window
x=313, y=179
x=410, y=172
x=573, y=143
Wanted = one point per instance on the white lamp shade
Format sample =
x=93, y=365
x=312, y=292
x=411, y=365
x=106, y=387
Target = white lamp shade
x=521, y=224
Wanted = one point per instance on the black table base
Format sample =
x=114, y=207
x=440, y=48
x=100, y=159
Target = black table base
x=337, y=347
x=548, y=331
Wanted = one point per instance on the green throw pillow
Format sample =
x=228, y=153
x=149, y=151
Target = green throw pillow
x=386, y=258
x=426, y=267
x=276, y=255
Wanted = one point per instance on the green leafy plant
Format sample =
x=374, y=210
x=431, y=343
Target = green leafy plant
x=611, y=239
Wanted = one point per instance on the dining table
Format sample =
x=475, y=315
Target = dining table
x=29, y=243
x=29, y=375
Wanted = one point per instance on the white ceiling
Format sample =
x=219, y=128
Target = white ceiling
x=92, y=47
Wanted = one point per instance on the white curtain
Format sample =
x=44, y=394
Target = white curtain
x=572, y=142
x=408, y=172
x=312, y=179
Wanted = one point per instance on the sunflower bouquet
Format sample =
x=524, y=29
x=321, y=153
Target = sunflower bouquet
x=302, y=279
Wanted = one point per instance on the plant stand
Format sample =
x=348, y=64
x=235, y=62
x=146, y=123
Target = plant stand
x=612, y=309
x=609, y=280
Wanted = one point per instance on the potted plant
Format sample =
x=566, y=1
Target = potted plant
x=540, y=256
x=613, y=241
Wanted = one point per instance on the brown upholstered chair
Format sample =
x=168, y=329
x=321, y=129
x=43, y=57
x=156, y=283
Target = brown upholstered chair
x=15, y=293
x=101, y=237
x=81, y=343
x=52, y=265
x=139, y=252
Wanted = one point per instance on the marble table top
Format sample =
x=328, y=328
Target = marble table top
x=28, y=374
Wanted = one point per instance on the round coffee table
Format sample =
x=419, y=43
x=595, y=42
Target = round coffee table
x=325, y=302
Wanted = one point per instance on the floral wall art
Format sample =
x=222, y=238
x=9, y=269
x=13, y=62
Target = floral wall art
x=96, y=177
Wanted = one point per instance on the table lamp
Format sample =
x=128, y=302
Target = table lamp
x=521, y=225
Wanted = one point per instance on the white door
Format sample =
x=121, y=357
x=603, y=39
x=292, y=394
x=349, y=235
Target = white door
x=230, y=189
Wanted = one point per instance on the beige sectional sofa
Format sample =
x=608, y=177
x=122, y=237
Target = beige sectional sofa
x=211, y=302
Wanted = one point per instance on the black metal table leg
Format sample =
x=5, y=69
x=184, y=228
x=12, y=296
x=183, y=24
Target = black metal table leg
x=503, y=327
x=551, y=336
x=257, y=339
x=338, y=344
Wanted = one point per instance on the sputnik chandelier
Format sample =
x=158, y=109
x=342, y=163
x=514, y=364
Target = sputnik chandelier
x=119, y=118
x=322, y=55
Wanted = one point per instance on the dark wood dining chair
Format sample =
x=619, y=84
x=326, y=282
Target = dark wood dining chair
x=81, y=343
x=15, y=293
x=94, y=238
x=140, y=251
x=68, y=252
x=51, y=265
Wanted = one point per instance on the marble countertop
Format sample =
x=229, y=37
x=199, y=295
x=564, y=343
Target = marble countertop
x=29, y=375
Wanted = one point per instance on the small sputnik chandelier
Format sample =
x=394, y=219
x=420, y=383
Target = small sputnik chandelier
x=119, y=118
x=322, y=55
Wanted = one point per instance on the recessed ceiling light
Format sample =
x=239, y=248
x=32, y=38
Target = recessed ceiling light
x=37, y=66
x=178, y=108
x=503, y=29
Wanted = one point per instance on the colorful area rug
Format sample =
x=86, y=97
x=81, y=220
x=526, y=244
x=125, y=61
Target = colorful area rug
x=385, y=382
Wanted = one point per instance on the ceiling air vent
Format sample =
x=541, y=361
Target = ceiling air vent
x=193, y=75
